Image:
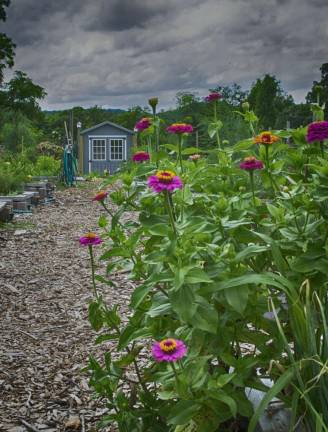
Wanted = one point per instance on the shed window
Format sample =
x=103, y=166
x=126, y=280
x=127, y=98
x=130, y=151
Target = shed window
x=117, y=149
x=99, y=149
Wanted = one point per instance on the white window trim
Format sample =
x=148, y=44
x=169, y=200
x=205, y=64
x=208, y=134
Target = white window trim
x=99, y=139
x=117, y=137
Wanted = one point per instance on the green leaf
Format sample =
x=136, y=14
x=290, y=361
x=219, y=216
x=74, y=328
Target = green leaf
x=191, y=150
x=102, y=221
x=225, y=379
x=279, y=385
x=160, y=229
x=237, y=298
x=95, y=316
x=221, y=396
x=182, y=412
x=205, y=317
x=214, y=127
x=197, y=275
x=139, y=294
x=183, y=302
x=250, y=251
x=106, y=337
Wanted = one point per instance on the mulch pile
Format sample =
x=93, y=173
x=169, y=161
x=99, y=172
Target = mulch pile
x=45, y=336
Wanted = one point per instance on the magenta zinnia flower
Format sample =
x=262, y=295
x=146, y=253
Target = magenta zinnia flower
x=90, y=239
x=140, y=156
x=164, y=180
x=100, y=196
x=317, y=131
x=180, y=128
x=143, y=124
x=251, y=163
x=169, y=350
x=213, y=97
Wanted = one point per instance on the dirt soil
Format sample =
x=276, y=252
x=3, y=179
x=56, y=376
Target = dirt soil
x=45, y=337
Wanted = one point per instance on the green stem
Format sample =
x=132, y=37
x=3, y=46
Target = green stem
x=215, y=120
x=268, y=168
x=180, y=151
x=251, y=177
x=170, y=211
x=93, y=272
x=110, y=213
x=175, y=373
x=322, y=149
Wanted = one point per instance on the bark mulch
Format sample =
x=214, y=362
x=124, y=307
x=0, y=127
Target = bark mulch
x=45, y=337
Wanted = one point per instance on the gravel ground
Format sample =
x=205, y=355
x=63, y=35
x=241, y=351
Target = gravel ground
x=45, y=337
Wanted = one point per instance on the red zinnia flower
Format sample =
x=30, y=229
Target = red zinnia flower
x=100, y=196
x=141, y=156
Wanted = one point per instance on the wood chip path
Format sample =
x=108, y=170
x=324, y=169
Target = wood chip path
x=45, y=337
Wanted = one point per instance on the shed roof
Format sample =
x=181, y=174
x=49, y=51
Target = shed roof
x=110, y=124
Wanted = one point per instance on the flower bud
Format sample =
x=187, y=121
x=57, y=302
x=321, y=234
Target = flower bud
x=245, y=106
x=153, y=103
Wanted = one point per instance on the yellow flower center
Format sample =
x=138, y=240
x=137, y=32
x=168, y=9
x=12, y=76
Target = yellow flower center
x=90, y=235
x=250, y=159
x=168, y=345
x=165, y=176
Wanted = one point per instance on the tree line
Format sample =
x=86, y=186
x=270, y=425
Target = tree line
x=24, y=125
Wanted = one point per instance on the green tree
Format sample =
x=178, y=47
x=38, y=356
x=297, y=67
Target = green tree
x=21, y=95
x=267, y=99
x=234, y=95
x=319, y=90
x=7, y=46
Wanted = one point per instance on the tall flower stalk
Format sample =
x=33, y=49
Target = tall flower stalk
x=180, y=129
x=251, y=164
x=216, y=125
x=91, y=239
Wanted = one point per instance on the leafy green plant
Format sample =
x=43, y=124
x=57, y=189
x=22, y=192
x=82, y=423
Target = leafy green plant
x=238, y=272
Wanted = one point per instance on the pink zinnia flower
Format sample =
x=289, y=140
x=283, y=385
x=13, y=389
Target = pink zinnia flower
x=140, y=156
x=164, y=180
x=169, y=350
x=143, y=124
x=180, y=128
x=100, y=196
x=90, y=239
x=317, y=131
x=251, y=163
x=213, y=97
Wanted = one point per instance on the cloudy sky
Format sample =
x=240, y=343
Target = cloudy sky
x=117, y=53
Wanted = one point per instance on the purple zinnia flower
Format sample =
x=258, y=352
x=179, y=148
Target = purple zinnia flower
x=251, y=163
x=213, y=97
x=140, y=156
x=317, y=131
x=143, y=124
x=169, y=350
x=180, y=128
x=164, y=180
x=90, y=239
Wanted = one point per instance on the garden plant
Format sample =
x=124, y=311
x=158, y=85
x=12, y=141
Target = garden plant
x=228, y=250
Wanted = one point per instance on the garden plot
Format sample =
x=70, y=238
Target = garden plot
x=45, y=335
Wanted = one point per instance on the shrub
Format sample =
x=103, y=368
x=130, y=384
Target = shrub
x=220, y=265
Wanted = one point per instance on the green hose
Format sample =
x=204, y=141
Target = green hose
x=70, y=167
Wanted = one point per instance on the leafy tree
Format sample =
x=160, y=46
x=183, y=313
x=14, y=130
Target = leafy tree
x=6, y=44
x=233, y=95
x=23, y=96
x=18, y=133
x=319, y=90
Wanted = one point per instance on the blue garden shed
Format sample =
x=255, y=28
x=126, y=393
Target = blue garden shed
x=104, y=146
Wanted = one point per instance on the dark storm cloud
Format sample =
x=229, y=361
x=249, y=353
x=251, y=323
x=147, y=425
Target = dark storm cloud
x=120, y=52
x=119, y=15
